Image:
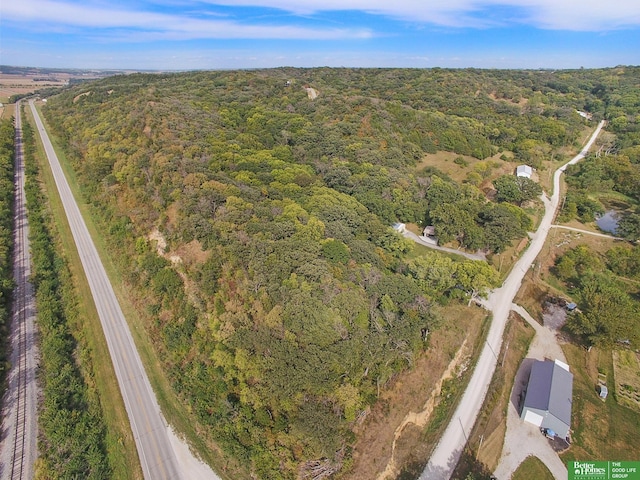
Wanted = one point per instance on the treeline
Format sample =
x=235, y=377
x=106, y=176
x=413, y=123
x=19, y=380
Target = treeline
x=293, y=303
x=7, y=156
x=71, y=443
x=609, y=310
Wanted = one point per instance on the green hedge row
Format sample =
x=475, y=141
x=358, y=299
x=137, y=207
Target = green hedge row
x=7, y=154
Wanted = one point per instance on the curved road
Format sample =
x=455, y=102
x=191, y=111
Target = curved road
x=149, y=428
x=422, y=241
x=18, y=450
x=447, y=453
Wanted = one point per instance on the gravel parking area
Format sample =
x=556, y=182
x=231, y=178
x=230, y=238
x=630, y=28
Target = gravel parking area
x=524, y=439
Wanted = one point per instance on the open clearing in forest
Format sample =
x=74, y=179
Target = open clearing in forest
x=444, y=161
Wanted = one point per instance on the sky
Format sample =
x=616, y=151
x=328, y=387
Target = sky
x=226, y=34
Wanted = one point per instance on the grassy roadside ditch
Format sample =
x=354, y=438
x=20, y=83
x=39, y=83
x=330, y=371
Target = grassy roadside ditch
x=82, y=322
x=174, y=411
x=72, y=439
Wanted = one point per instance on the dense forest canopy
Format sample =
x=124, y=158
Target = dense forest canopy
x=293, y=302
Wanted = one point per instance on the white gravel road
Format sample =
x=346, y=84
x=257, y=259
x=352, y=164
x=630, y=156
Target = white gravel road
x=447, y=453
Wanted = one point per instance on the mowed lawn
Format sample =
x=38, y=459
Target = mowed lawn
x=532, y=468
x=602, y=430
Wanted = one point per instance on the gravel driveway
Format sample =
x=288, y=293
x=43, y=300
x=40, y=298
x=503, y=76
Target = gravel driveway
x=524, y=439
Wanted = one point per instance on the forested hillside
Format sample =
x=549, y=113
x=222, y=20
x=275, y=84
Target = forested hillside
x=283, y=302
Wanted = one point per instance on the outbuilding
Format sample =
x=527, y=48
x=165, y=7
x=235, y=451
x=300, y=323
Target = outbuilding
x=547, y=403
x=603, y=391
x=524, y=171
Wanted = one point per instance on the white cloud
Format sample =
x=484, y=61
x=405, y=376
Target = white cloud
x=581, y=15
x=135, y=22
x=145, y=25
x=585, y=15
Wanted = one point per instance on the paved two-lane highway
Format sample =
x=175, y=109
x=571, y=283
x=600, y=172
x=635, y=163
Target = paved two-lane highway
x=149, y=428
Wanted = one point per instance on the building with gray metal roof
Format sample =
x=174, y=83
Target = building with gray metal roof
x=547, y=403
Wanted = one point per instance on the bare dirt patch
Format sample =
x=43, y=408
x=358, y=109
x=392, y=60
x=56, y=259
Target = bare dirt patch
x=78, y=97
x=554, y=316
x=161, y=243
x=312, y=93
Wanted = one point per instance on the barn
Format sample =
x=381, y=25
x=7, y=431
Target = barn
x=547, y=403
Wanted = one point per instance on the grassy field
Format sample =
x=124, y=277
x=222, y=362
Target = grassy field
x=601, y=430
x=532, y=468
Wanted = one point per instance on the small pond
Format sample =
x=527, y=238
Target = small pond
x=608, y=222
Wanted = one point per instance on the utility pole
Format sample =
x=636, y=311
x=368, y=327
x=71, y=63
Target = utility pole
x=505, y=353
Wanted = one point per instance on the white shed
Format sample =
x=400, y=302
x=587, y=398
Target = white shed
x=524, y=171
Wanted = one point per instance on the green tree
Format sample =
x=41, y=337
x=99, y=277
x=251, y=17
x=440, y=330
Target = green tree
x=475, y=278
x=629, y=227
x=607, y=313
x=434, y=272
x=501, y=224
x=517, y=190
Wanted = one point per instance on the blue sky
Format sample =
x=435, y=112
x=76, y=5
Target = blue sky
x=219, y=34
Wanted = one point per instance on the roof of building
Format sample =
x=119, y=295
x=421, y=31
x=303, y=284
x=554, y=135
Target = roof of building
x=550, y=388
x=524, y=170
